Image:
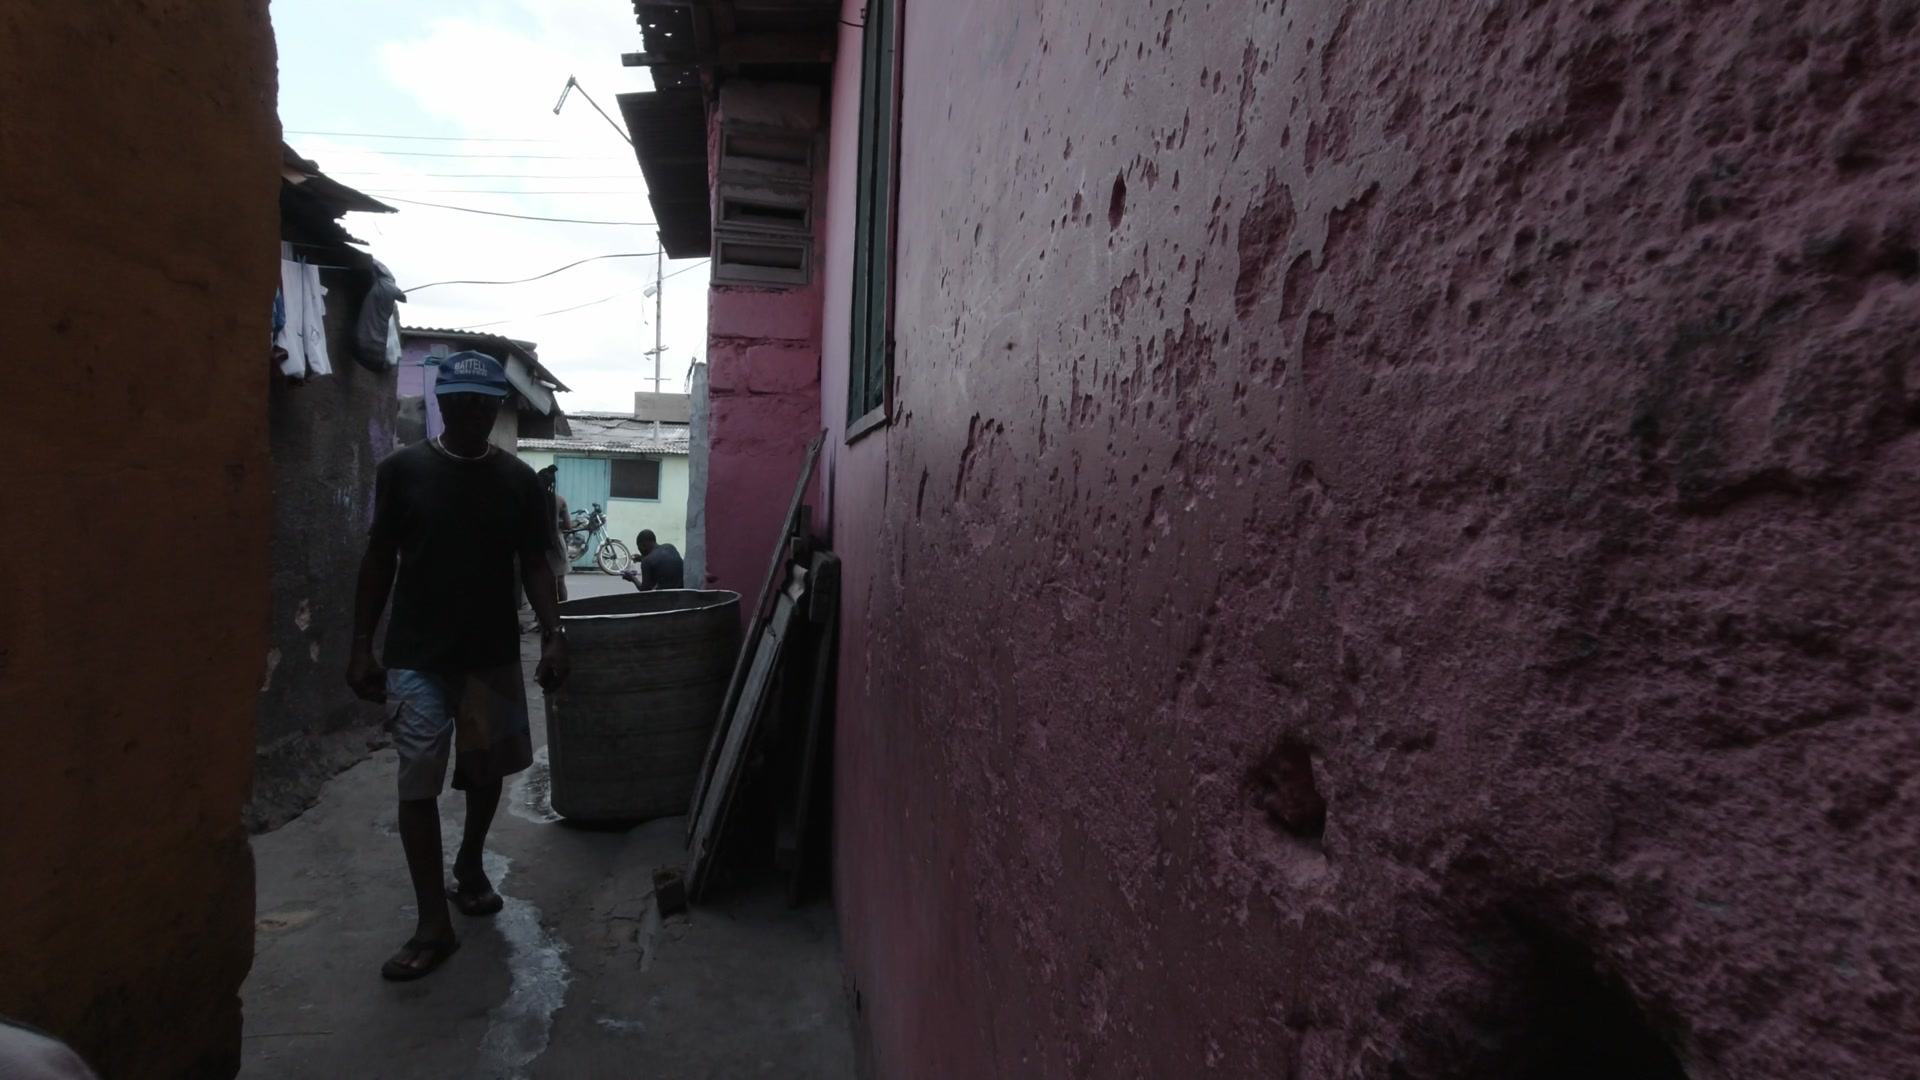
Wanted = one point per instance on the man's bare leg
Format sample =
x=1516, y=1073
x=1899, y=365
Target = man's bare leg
x=469, y=872
x=420, y=838
x=433, y=936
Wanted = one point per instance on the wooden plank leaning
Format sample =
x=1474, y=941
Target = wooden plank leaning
x=756, y=621
x=823, y=611
x=710, y=817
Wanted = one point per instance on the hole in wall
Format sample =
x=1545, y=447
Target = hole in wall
x=1562, y=1017
x=1286, y=787
x=1117, y=206
x=1902, y=261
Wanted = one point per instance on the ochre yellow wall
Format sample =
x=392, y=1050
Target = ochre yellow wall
x=139, y=178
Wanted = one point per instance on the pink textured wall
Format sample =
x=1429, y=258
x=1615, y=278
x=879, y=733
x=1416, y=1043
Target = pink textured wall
x=1397, y=551
x=763, y=356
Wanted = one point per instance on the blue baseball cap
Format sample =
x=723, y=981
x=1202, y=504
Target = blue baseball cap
x=472, y=373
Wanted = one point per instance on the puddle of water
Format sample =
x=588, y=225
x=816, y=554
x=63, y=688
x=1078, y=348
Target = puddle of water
x=519, y=1027
x=530, y=798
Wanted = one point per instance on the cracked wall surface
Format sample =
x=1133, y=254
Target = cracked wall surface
x=139, y=179
x=1394, y=555
x=327, y=435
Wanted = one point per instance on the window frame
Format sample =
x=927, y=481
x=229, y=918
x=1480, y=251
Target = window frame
x=659, y=471
x=876, y=217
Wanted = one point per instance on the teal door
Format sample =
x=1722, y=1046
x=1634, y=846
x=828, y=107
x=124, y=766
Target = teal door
x=584, y=482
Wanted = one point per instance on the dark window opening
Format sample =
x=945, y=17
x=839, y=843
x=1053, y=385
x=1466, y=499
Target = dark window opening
x=870, y=365
x=765, y=261
x=760, y=215
x=636, y=479
x=770, y=148
x=776, y=256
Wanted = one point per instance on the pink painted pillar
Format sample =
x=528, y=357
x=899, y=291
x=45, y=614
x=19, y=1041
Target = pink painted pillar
x=763, y=353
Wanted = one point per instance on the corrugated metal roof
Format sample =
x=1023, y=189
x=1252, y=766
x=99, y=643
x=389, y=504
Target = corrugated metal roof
x=337, y=197
x=625, y=423
x=669, y=129
x=528, y=350
x=762, y=16
x=668, y=445
x=692, y=47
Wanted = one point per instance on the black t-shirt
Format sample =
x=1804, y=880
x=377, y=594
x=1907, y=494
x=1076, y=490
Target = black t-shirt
x=661, y=568
x=457, y=525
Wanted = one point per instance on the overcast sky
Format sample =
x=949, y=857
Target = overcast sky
x=468, y=75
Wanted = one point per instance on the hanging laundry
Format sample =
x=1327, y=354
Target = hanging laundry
x=314, y=321
x=304, y=333
x=376, y=334
x=287, y=337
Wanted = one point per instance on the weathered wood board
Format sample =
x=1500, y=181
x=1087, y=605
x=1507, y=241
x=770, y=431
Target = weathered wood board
x=756, y=621
x=710, y=815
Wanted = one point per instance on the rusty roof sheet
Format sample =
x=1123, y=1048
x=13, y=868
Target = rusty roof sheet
x=667, y=445
x=336, y=197
x=669, y=129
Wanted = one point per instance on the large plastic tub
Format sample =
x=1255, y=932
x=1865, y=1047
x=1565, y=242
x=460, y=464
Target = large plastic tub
x=627, y=735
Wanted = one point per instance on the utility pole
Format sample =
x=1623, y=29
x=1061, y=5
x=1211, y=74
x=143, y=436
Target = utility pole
x=659, y=305
x=659, y=311
x=658, y=291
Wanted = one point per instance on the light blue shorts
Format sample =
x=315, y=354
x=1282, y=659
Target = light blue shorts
x=484, y=711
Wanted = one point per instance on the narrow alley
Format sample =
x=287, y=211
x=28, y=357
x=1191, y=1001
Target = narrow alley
x=577, y=979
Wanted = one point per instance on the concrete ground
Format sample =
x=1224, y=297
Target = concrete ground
x=576, y=979
x=594, y=583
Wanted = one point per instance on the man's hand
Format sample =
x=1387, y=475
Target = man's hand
x=554, y=664
x=366, y=677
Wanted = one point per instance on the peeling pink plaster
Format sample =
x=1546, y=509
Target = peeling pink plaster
x=763, y=357
x=1391, y=510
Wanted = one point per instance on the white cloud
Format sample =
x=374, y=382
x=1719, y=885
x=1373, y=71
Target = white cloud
x=494, y=75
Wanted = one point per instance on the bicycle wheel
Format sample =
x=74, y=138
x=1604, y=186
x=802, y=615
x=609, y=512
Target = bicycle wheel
x=613, y=557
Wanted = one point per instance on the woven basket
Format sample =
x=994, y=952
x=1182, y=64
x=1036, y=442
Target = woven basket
x=628, y=734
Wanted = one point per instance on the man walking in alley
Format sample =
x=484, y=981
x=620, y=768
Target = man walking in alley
x=660, y=566
x=450, y=517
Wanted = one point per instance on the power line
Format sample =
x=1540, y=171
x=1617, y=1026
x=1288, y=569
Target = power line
x=684, y=269
x=422, y=138
x=560, y=311
x=537, y=277
x=515, y=157
x=486, y=176
x=588, y=304
x=521, y=217
x=511, y=191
